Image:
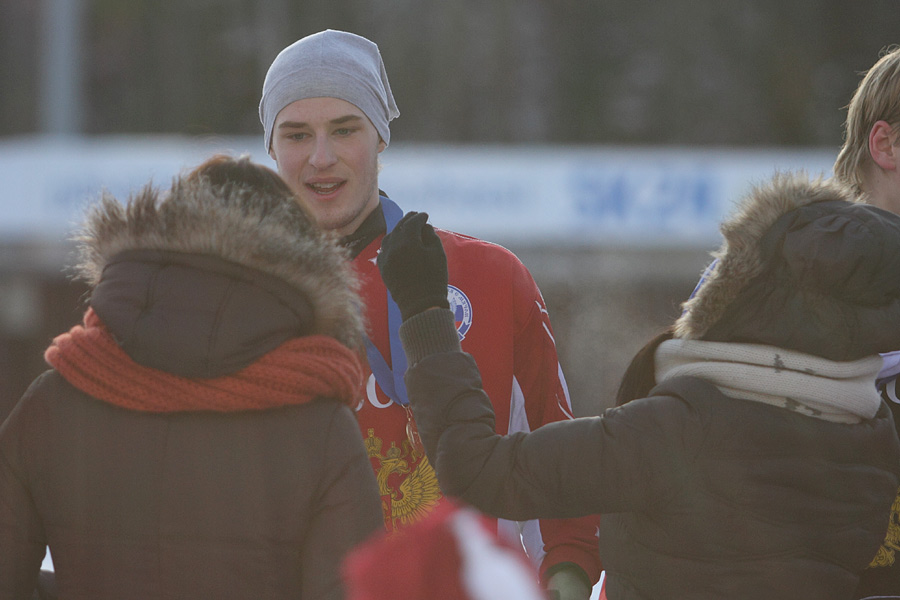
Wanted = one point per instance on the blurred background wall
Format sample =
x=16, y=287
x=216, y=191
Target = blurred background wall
x=545, y=81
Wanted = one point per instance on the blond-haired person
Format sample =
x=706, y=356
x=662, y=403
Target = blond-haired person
x=869, y=161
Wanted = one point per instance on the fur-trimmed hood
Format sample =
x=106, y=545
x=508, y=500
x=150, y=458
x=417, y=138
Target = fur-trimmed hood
x=240, y=270
x=803, y=266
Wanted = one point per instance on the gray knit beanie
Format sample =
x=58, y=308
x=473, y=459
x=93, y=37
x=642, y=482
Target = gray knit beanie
x=329, y=64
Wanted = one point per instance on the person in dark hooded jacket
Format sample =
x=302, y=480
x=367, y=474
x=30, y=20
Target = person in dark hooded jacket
x=761, y=464
x=869, y=162
x=195, y=437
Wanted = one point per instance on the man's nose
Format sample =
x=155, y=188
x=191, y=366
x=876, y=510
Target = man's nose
x=323, y=154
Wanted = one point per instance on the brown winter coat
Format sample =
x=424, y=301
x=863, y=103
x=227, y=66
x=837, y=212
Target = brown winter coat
x=247, y=504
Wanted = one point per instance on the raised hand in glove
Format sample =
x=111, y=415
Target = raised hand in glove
x=413, y=266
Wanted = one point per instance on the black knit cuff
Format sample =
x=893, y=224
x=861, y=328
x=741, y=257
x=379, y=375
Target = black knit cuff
x=429, y=332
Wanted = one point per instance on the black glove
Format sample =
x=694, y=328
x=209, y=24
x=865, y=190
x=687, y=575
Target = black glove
x=413, y=266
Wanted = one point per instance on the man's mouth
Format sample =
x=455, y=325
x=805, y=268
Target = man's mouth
x=324, y=188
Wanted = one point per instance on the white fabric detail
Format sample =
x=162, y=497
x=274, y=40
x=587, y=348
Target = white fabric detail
x=372, y=395
x=550, y=335
x=533, y=541
x=518, y=418
x=891, y=391
x=525, y=533
x=565, y=387
x=490, y=571
x=842, y=392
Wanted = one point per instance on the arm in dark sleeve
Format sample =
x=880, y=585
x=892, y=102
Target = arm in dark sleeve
x=622, y=457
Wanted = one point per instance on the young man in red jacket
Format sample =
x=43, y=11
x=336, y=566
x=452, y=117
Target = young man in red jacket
x=325, y=108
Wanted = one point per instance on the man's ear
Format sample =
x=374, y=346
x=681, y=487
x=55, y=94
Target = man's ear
x=272, y=153
x=882, y=146
x=381, y=145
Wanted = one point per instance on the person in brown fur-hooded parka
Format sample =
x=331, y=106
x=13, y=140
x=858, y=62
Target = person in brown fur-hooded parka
x=757, y=461
x=195, y=437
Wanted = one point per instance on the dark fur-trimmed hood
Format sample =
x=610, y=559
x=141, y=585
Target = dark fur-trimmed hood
x=262, y=238
x=803, y=266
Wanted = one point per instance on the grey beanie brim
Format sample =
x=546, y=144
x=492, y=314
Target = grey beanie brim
x=329, y=64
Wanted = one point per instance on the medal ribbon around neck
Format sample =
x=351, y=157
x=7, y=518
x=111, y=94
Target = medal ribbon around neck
x=391, y=381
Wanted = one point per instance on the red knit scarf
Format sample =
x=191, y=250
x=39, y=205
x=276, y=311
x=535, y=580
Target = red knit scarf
x=297, y=371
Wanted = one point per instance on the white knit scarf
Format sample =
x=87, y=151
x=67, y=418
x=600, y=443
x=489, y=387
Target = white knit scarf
x=842, y=392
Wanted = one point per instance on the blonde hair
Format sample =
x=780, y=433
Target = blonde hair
x=877, y=98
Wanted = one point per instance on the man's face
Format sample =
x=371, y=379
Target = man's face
x=327, y=150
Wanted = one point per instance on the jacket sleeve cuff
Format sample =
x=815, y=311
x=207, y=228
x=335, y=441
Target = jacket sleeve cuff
x=430, y=332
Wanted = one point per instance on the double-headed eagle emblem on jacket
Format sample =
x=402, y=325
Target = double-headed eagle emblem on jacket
x=407, y=493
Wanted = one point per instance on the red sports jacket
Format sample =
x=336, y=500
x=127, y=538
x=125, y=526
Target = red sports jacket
x=503, y=323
